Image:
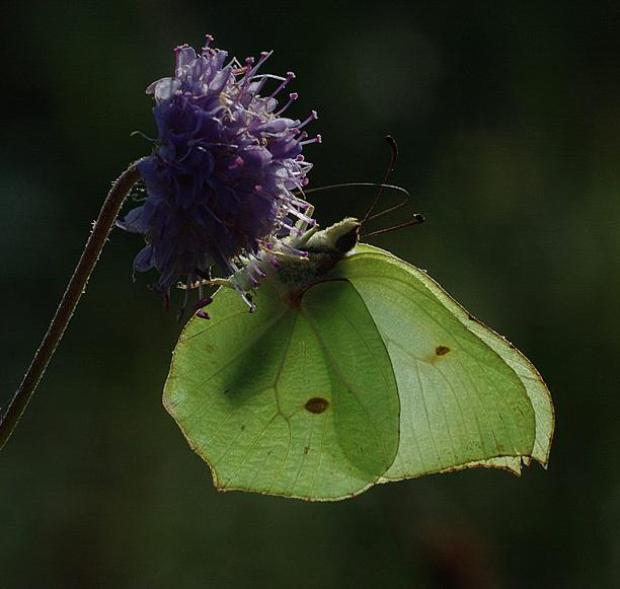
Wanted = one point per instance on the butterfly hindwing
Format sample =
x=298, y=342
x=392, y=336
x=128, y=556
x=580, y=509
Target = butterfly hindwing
x=297, y=399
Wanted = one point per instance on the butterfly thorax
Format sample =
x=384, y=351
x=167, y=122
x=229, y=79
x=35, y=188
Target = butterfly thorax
x=325, y=249
x=298, y=262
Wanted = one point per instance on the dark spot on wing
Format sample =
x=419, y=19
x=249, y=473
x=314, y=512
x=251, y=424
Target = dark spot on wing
x=316, y=405
x=442, y=350
x=294, y=299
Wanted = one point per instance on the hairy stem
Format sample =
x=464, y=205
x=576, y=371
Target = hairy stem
x=101, y=229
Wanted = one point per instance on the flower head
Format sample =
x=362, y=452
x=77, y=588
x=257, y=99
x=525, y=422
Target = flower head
x=222, y=180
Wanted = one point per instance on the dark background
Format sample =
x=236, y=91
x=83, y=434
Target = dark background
x=508, y=120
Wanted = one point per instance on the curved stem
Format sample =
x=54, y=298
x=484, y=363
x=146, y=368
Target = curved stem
x=101, y=229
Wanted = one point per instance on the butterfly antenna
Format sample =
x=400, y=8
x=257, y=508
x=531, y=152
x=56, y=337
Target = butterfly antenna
x=361, y=185
x=391, y=209
x=392, y=163
x=417, y=219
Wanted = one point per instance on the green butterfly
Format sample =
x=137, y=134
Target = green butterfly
x=355, y=369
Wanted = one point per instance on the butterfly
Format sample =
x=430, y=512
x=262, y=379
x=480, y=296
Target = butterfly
x=356, y=368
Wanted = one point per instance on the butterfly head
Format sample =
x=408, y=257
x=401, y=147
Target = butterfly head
x=336, y=240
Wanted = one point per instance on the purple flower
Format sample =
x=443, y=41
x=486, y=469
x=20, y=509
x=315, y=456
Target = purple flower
x=223, y=178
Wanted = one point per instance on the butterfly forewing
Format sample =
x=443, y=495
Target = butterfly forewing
x=468, y=398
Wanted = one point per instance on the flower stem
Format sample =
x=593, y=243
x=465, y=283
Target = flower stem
x=101, y=229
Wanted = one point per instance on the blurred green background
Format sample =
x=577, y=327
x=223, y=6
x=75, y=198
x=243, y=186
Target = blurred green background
x=508, y=120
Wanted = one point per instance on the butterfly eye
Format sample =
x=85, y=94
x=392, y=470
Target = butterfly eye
x=348, y=241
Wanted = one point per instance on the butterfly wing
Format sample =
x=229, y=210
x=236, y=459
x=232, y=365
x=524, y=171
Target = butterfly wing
x=468, y=397
x=297, y=399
